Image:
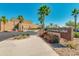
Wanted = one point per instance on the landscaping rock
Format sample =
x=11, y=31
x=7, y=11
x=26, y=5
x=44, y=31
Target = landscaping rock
x=66, y=51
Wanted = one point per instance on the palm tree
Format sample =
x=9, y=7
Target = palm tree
x=0, y=24
x=43, y=11
x=21, y=19
x=4, y=20
x=75, y=12
x=51, y=25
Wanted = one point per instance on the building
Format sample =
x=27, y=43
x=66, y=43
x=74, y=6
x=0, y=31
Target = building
x=12, y=25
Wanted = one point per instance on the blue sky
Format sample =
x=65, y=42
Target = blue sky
x=60, y=12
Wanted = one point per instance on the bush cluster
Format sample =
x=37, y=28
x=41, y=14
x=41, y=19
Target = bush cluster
x=72, y=44
x=50, y=37
x=76, y=34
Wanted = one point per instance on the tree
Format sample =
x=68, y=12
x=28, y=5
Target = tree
x=21, y=19
x=4, y=20
x=43, y=11
x=51, y=25
x=0, y=24
x=75, y=12
x=70, y=23
x=56, y=26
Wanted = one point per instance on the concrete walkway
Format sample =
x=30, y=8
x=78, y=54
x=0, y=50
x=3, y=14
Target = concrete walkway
x=33, y=46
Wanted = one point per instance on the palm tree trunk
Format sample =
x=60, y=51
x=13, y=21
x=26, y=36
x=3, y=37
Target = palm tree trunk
x=4, y=27
x=75, y=21
x=0, y=25
x=19, y=27
x=43, y=22
x=22, y=27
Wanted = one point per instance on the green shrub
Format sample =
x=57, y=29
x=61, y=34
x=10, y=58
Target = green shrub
x=76, y=34
x=27, y=34
x=34, y=28
x=18, y=37
x=21, y=36
x=55, y=39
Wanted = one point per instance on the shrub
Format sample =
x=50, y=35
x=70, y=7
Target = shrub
x=71, y=44
x=21, y=36
x=27, y=34
x=49, y=36
x=76, y=34
x=55, y=39
x=18, y=37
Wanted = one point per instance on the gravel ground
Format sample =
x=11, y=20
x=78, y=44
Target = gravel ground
x=65, y=51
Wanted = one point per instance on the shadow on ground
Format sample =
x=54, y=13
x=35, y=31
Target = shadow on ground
x=57, y=45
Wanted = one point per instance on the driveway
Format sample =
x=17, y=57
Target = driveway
x=32, y=46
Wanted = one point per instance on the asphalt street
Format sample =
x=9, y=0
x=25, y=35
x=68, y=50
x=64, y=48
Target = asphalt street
x=6, y=35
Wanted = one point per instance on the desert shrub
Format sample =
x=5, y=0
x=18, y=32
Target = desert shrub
x=34, y=28
x=71, y=44
x=76, y=34
x=55, y=39
x=47, y=37
x=21, y=36
x=18, y=37
x=27, y=34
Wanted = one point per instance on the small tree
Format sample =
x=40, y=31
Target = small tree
x=4, y=20
x=21, y=19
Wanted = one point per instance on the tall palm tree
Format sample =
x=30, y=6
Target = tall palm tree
x=0, y=24
x=75, y=12
x=21, y=19
x=43, y=11
x=4, y=20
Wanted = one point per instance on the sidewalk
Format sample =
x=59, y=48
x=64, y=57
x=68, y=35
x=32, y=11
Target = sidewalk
x=33, y=46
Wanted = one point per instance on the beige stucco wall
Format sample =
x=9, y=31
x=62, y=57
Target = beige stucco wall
x=10, y=25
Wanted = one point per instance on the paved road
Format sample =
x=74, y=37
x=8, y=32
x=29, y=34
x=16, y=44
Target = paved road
x=6, y=35
x=31, y=46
